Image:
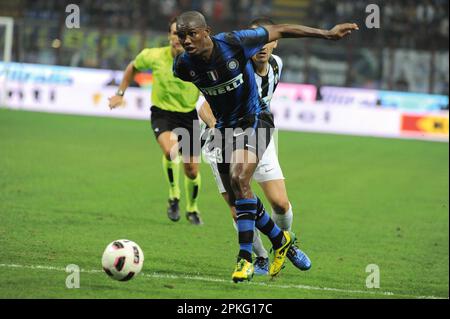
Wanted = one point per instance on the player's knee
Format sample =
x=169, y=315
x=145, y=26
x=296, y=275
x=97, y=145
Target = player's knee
x=280, y=206
x=191, y=171
x=169, y=155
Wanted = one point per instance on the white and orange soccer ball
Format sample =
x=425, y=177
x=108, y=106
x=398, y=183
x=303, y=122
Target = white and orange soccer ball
x=122, y=259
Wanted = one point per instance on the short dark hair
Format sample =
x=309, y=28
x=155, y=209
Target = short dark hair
x=172, y=21
x=191, y=18
x=261, y=21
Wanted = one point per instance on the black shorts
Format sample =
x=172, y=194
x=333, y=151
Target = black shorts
x=252, y=133
x=184, y=125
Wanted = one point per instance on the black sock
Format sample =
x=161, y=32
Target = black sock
x=266, y=225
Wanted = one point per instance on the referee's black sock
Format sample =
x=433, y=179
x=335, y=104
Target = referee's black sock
x=171, y=172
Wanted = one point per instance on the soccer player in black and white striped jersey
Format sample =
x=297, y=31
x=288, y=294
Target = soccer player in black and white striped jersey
x=268, y=69
x=268, y=173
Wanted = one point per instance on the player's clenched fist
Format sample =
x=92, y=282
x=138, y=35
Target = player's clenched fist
x=342, y=30
x=115, y=101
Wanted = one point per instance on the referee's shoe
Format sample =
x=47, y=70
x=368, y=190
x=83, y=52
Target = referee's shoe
x=173, y=210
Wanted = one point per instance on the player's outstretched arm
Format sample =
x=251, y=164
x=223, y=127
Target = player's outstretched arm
x=280, y=31
x=117, y=99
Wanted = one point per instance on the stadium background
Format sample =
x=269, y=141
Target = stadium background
x=71, y=184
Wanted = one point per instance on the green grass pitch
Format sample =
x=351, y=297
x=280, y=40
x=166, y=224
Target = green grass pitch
x=69, y=185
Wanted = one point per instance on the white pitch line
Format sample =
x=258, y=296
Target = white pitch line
x=211, y=279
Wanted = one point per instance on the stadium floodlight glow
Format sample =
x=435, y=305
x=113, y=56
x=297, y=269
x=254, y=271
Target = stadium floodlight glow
x=8, y=23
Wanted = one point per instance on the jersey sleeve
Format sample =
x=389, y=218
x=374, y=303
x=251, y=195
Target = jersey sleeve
x=144, y=60
x=251, y=40
x=179, y=68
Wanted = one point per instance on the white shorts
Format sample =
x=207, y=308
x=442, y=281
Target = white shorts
x=268, y=168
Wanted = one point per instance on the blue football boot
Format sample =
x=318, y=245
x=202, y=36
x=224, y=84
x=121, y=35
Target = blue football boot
x=298, y=258
x=261, y=265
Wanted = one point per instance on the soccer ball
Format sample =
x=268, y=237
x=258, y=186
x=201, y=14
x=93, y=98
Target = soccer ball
x=122, y=259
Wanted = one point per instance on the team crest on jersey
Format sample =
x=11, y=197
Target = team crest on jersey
x=213, y=75
x=232, y=65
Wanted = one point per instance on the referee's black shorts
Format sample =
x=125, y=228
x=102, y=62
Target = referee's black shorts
x=185, y=125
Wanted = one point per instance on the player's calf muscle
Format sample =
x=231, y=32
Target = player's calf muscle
x=280, y=207
x=240, y=181
x=275, y=192
x=278, y=201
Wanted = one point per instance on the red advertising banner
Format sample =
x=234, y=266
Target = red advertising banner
x=433, y=124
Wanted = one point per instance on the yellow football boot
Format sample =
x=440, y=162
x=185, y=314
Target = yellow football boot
x=280, y=254
x=243, y=271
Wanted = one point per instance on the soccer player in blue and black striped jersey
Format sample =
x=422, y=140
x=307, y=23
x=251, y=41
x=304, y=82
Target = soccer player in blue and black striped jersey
x=220, y=67
x=269, y=175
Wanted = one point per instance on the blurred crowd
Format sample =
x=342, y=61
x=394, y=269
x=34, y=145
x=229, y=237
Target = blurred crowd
x=113, y=31
x=149, y=13
x=404, y=23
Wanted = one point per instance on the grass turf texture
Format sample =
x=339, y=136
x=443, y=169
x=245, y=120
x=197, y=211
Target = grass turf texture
x=69, y=185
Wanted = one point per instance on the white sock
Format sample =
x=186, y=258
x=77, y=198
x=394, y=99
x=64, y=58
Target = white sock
x=284, y=221
x=258, y=246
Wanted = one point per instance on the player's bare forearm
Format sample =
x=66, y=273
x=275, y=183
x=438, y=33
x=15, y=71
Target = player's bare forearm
x=207, y=115
x=281, y=31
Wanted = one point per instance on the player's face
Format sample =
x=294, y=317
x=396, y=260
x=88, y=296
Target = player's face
x=264, y=54
x=173, y=39
x=193, y=39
